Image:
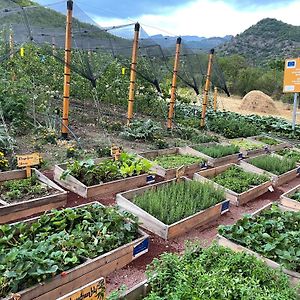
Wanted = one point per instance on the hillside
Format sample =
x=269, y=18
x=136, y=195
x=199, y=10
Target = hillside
x=268, y=39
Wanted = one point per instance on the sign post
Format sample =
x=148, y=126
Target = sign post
x=27, y=161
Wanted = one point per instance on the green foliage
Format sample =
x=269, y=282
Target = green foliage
x=4, y=165
x=175, y=201
x=32, y=253
x=290, y=154
x=216, y=273
x=245, y=144
x=296, y=196
x=217, y=151
x=267, y=140
x=177, y=160
x=273, y=233
x=274, y=164
x=238, y=180
x=107, y=170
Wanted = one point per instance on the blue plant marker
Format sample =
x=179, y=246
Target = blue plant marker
x=141, y=248
x=240, y=155
x=150, y=179
x=225, y=207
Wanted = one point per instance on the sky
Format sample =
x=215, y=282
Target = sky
x=206, y=18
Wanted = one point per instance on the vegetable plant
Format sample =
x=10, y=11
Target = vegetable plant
x=217, y=151
x=176, y=160
x=296, y=196
x=268, y=140
x=289, y=153
x=246, y=144
x=177, y=200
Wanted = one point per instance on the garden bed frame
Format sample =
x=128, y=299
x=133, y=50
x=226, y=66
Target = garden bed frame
x=294, y=276
x=287, y=201
x=254, y=152
x=156, y=226
x=269, y=148
x=102, y=189
x=171, y=173
x=277, y=179
x=10, y=212
x=88, y=271
x=235, y=198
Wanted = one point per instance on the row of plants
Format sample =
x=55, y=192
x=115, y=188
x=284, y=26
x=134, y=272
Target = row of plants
x=33, y=252
x=273, y=233
x=171, y=161
x=238, y=180
x=290, y=154
x=246, y=144
x=175, y=201
x=267, y=140
x=217, y=151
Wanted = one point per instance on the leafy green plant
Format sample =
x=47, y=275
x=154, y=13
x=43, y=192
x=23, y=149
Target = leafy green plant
x=31, y=253
x=273, y=233
x=217, y=151
x=176, y=160
x=4, y=165
x=175, y=201
x=268, y=140
x=215, y=273
x=273, y=164
x=246, y=144
x=289, y=153
x=296, y=196
x=238, y=180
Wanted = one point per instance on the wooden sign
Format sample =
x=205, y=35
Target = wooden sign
x=28, y=160
x=115, y=152
x=180, y=172
x=291, y=81
x=94, y=290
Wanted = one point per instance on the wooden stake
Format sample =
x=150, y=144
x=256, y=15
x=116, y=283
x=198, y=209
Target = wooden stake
x=11, y=44
x=53, y=46
x=207, y=85
x=215, y=98
x=174, y=81
x=28, y=171
x=67, y=71
x=133, y=72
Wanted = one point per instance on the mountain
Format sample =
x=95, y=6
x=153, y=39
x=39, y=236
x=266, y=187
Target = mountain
x=269, y=39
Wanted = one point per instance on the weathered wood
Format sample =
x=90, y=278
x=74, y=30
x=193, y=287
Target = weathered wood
x=86, y=272
x=11, y=175
x=283, y=144
x=149, y=222
x=137, y=292
x=254, y=152
x=286, y=200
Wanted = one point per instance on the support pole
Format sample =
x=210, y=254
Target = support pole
x=295, y=111
x=207, y=85
x=67, y=71
x=11, y=44
x=174, y=81
x=215, y=98
x=133, y=72
x=53, y=46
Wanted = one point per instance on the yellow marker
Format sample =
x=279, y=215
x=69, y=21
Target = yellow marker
x=22, y=52
x=123, y=71
x=291, y=82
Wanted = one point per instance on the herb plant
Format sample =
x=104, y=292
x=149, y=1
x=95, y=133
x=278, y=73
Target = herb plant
x=33, y=253
x=268, y=140
x=273, y=233
x=175, y=201
x=217, y=151
x=273, y=164
x=238, y=180
x=176, y=160
x=296, y=196
x=246, y=144
x=289, y=153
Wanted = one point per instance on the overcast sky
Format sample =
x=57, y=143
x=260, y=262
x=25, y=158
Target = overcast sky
x=191, y=17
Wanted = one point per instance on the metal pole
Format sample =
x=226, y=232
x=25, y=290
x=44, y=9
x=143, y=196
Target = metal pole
x=174, y=81
x=215, y=98
x=67, y=71
x=295, y=111
x=133, y=72
x=207, y=85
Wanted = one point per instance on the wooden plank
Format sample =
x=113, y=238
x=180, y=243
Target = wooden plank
x=286, y=200
x=10, y=175
x=137, y=292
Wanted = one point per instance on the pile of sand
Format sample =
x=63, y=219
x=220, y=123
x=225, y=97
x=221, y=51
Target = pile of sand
x=257, y=101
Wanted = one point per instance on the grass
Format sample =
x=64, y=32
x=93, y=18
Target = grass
x=290, y=153
x=217, y=151
x=296, y=196
x=273, y=164
x=246, y=144
x=268, y=140
x=176, y=160
x=238, y=180
x=175, y=201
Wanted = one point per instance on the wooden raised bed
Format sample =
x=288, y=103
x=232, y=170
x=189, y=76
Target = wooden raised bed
x=294, y=276
x=102, y=189
x=286, y=200
x=254, y=152
x=282, y=144
x=10, y=212
x=277, y=179
x=235, y=198
x=156, y=226
x=171, y=173
x=88, y=271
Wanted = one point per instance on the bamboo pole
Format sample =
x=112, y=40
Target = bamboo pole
x=133, y=72
x=207, y=85
x=11, y=44
x=174, y=81
x=67, y=71
x=215, y=98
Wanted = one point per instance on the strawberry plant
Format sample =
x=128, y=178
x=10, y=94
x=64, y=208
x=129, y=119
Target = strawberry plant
x=217, y=151
x=176, y=160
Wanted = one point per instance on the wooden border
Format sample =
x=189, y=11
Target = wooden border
x=171, y=173
x=287, y=201
x=277, y=179
x=253, y=152
x=281, y=145
x=235, y=198
x=102, y=189
x=10, y=212
x=294, y=276
x=156, y=226
x=88, y=271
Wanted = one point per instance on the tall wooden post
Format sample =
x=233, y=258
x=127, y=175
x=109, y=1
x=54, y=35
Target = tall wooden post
x=207, y=85
x=174, y=81
x=11, y=44
x=53, y=46
x=133, y=72
x=67, y=71
x=215, y=98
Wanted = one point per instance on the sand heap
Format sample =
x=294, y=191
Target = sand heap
x=257, y=101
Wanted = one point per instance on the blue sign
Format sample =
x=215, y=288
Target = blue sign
x=141, y=248
x=225, y=207
x=150, y=179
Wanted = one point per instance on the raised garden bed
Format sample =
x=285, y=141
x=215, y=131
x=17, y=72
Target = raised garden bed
x=272, y=144
x=103, y=176
x=248, y=147
x=167, y=161
x=218, y=154
x=57, y=253
x=279, y=168
x=21, y=197
x=291, y=198
x=291, y=153
x=172, y=208
x=241, y=183
x=271, y=234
